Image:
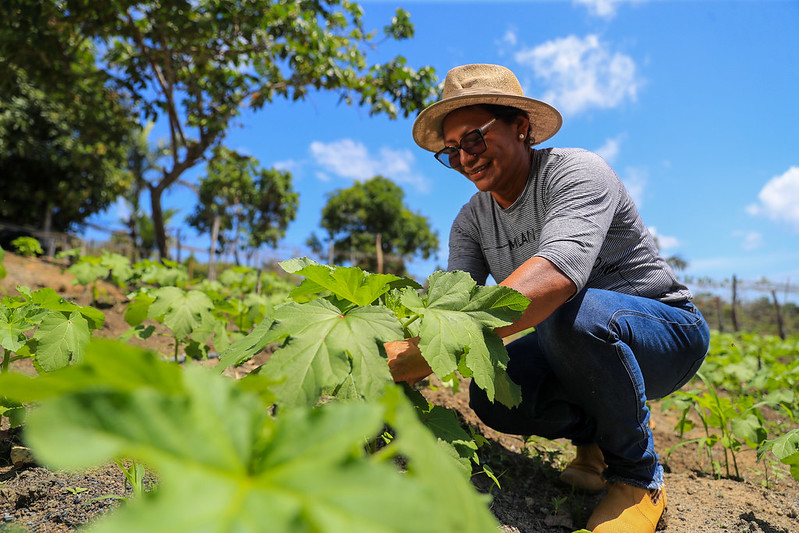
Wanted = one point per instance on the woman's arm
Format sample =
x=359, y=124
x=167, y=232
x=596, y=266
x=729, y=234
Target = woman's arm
x=544, y=285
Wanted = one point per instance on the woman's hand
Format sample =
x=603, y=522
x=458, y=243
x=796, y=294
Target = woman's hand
x=405, y=361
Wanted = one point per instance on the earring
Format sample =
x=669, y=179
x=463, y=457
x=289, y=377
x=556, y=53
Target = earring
x=521, y=136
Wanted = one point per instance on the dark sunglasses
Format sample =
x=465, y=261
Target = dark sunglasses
x=473, y=143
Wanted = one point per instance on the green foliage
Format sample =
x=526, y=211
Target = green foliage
x=786, y=449
x=61, y=329
x=186, y=313
x=456, y=331
x=743, y=376
x=3, y=271
x=332, y=344
x=62, y=143
x=355, y=216
x=209, y=437
x=199, y=66
x=90, y=269
x=43, y=326
x=27, y=246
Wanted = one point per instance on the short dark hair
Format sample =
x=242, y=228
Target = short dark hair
x=508, y=114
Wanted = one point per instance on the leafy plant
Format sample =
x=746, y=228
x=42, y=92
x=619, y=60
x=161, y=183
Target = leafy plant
x=186, y=313
x=729, y=421
x=786, y=449
x=60, y=329
x=332, y=333
x=304, y=469
x=27, y=246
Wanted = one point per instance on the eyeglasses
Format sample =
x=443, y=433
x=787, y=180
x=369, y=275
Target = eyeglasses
x=473, y=143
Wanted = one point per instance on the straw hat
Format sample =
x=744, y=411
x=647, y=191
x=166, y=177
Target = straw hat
x=482, y=84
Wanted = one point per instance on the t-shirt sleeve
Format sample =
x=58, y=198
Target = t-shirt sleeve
x=581, y=198
x=465, y=251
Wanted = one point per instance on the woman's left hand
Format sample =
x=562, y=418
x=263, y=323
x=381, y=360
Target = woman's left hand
x=405, y=361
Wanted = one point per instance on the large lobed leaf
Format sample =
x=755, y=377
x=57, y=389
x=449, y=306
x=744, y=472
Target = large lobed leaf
x=326, y=349
x=458, y=319
x=211, y=442
x=346, y=283
x=61, y=340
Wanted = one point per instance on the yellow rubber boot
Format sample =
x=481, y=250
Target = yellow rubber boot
x=585, y=471
x=628, y=509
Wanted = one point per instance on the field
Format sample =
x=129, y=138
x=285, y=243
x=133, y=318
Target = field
x=728, y=490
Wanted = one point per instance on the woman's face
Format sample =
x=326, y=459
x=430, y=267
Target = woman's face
x=502, y=169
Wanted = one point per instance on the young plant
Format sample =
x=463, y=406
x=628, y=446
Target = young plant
x=44, y=326
x=187, y=314
x=729, y=421
x=206, y=436
x=786, y=449
x=27, y=246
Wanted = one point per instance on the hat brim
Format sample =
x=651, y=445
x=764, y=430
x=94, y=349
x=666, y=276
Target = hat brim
x=428, y=132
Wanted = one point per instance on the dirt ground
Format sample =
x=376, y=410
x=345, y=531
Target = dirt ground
x=529, y=498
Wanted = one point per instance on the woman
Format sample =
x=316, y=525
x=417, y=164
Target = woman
x=613, y=326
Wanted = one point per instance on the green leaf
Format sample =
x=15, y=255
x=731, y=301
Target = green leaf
x=50, y=299
x=458, y=319
x=61, y=340
x=247, y=347
x=107, y=366
x=86, y=272
x=138, y=309
x=750, y=428
x=208, y=440
x=13, y=325
x=348, y=283
x=326, y=346
x=183, y=311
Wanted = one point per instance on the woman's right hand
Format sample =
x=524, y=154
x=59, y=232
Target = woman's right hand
x=405, y=361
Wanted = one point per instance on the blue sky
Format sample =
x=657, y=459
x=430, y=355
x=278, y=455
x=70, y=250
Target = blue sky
x=693, y=103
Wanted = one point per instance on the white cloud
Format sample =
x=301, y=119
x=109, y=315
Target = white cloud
x=779, y=199
x=582, y=73
x=603, y=8
x=610, y=149
x=635, y=182
x=288, y=165
x=510, y=38
x=750, y=240
x=350, y=159
x=665, y=242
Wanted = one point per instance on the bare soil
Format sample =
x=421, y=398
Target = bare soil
x=529, y=499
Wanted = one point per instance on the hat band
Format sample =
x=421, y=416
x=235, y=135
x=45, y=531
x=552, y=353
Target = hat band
x=478, y=90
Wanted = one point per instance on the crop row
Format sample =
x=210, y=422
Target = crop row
x=276, y=436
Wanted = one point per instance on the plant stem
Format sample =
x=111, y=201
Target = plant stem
x=6, y=360
x=411, y=321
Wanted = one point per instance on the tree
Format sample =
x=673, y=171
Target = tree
x=199, y=62
x=62, y=152
x=142, y=159
x=370, y=220
x=238, y=199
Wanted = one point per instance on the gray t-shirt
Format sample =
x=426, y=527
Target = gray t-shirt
x=575, y=212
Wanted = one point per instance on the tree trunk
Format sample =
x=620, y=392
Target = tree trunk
x=48, y=226
x=720, y=315
x=780, y=327
x=735, y=327
x=158, y=222
x=212, y=249
x=379, y=247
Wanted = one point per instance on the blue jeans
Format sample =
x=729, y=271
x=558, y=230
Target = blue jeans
x=587, y=371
